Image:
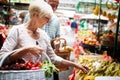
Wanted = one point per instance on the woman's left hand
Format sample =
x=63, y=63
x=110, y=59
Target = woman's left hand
x=85, y=69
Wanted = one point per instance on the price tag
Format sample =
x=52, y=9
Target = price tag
x=107, y=78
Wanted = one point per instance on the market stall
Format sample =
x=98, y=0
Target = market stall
x=100, y=65
x=93, y=46
x=104, y=61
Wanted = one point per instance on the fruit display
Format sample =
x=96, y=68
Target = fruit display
x=88, y=40
x=91, y=41
x=96, y=10
x=98, y=67
x=108, y=38
x=112, y=6
x=88, y=37
x=82, y=34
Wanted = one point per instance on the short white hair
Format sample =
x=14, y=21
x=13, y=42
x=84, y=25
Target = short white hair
x=40, y=6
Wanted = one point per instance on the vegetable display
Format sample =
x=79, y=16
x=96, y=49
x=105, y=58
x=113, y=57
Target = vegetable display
x=28, y=65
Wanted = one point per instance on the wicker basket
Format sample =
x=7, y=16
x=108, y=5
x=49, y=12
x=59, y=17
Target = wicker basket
x=24, y=74
x=62, y=53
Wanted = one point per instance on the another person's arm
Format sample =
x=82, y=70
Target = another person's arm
x=57, y=25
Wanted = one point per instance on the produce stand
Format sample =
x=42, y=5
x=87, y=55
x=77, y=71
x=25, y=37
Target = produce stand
x=101, y=68
x=88, y=41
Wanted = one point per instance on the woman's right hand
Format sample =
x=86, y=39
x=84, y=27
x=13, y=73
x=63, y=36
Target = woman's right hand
x=35, y=50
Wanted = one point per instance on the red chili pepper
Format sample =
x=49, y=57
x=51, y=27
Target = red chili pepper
x=38, y=64
x=35, y=68
x=72, y=76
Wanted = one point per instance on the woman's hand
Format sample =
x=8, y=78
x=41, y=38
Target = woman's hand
x=77, y=66
x=83, y=68
x=35, y=50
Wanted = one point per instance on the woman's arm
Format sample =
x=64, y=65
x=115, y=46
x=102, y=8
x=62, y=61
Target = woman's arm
x=77, y=66
x=59, y=60
x=9, y=45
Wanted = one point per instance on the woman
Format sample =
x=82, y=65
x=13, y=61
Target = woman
x=53, y=31
x=29, y=42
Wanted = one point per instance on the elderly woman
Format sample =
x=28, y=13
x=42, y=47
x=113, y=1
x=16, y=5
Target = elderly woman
x=53, y=31
x=29, y=42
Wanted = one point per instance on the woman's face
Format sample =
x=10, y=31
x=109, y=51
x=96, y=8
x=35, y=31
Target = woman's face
x=39, y=20
x=43, y=20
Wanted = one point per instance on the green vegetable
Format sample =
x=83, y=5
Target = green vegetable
x=49, y=68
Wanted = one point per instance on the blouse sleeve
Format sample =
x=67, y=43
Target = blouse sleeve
x=9, y=45
x=54, y=58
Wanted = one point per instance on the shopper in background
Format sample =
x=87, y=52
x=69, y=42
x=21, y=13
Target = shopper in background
x=53, y=26
x=111, y=25
x=74, y=26
x=22, y=16
x=29, y=42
